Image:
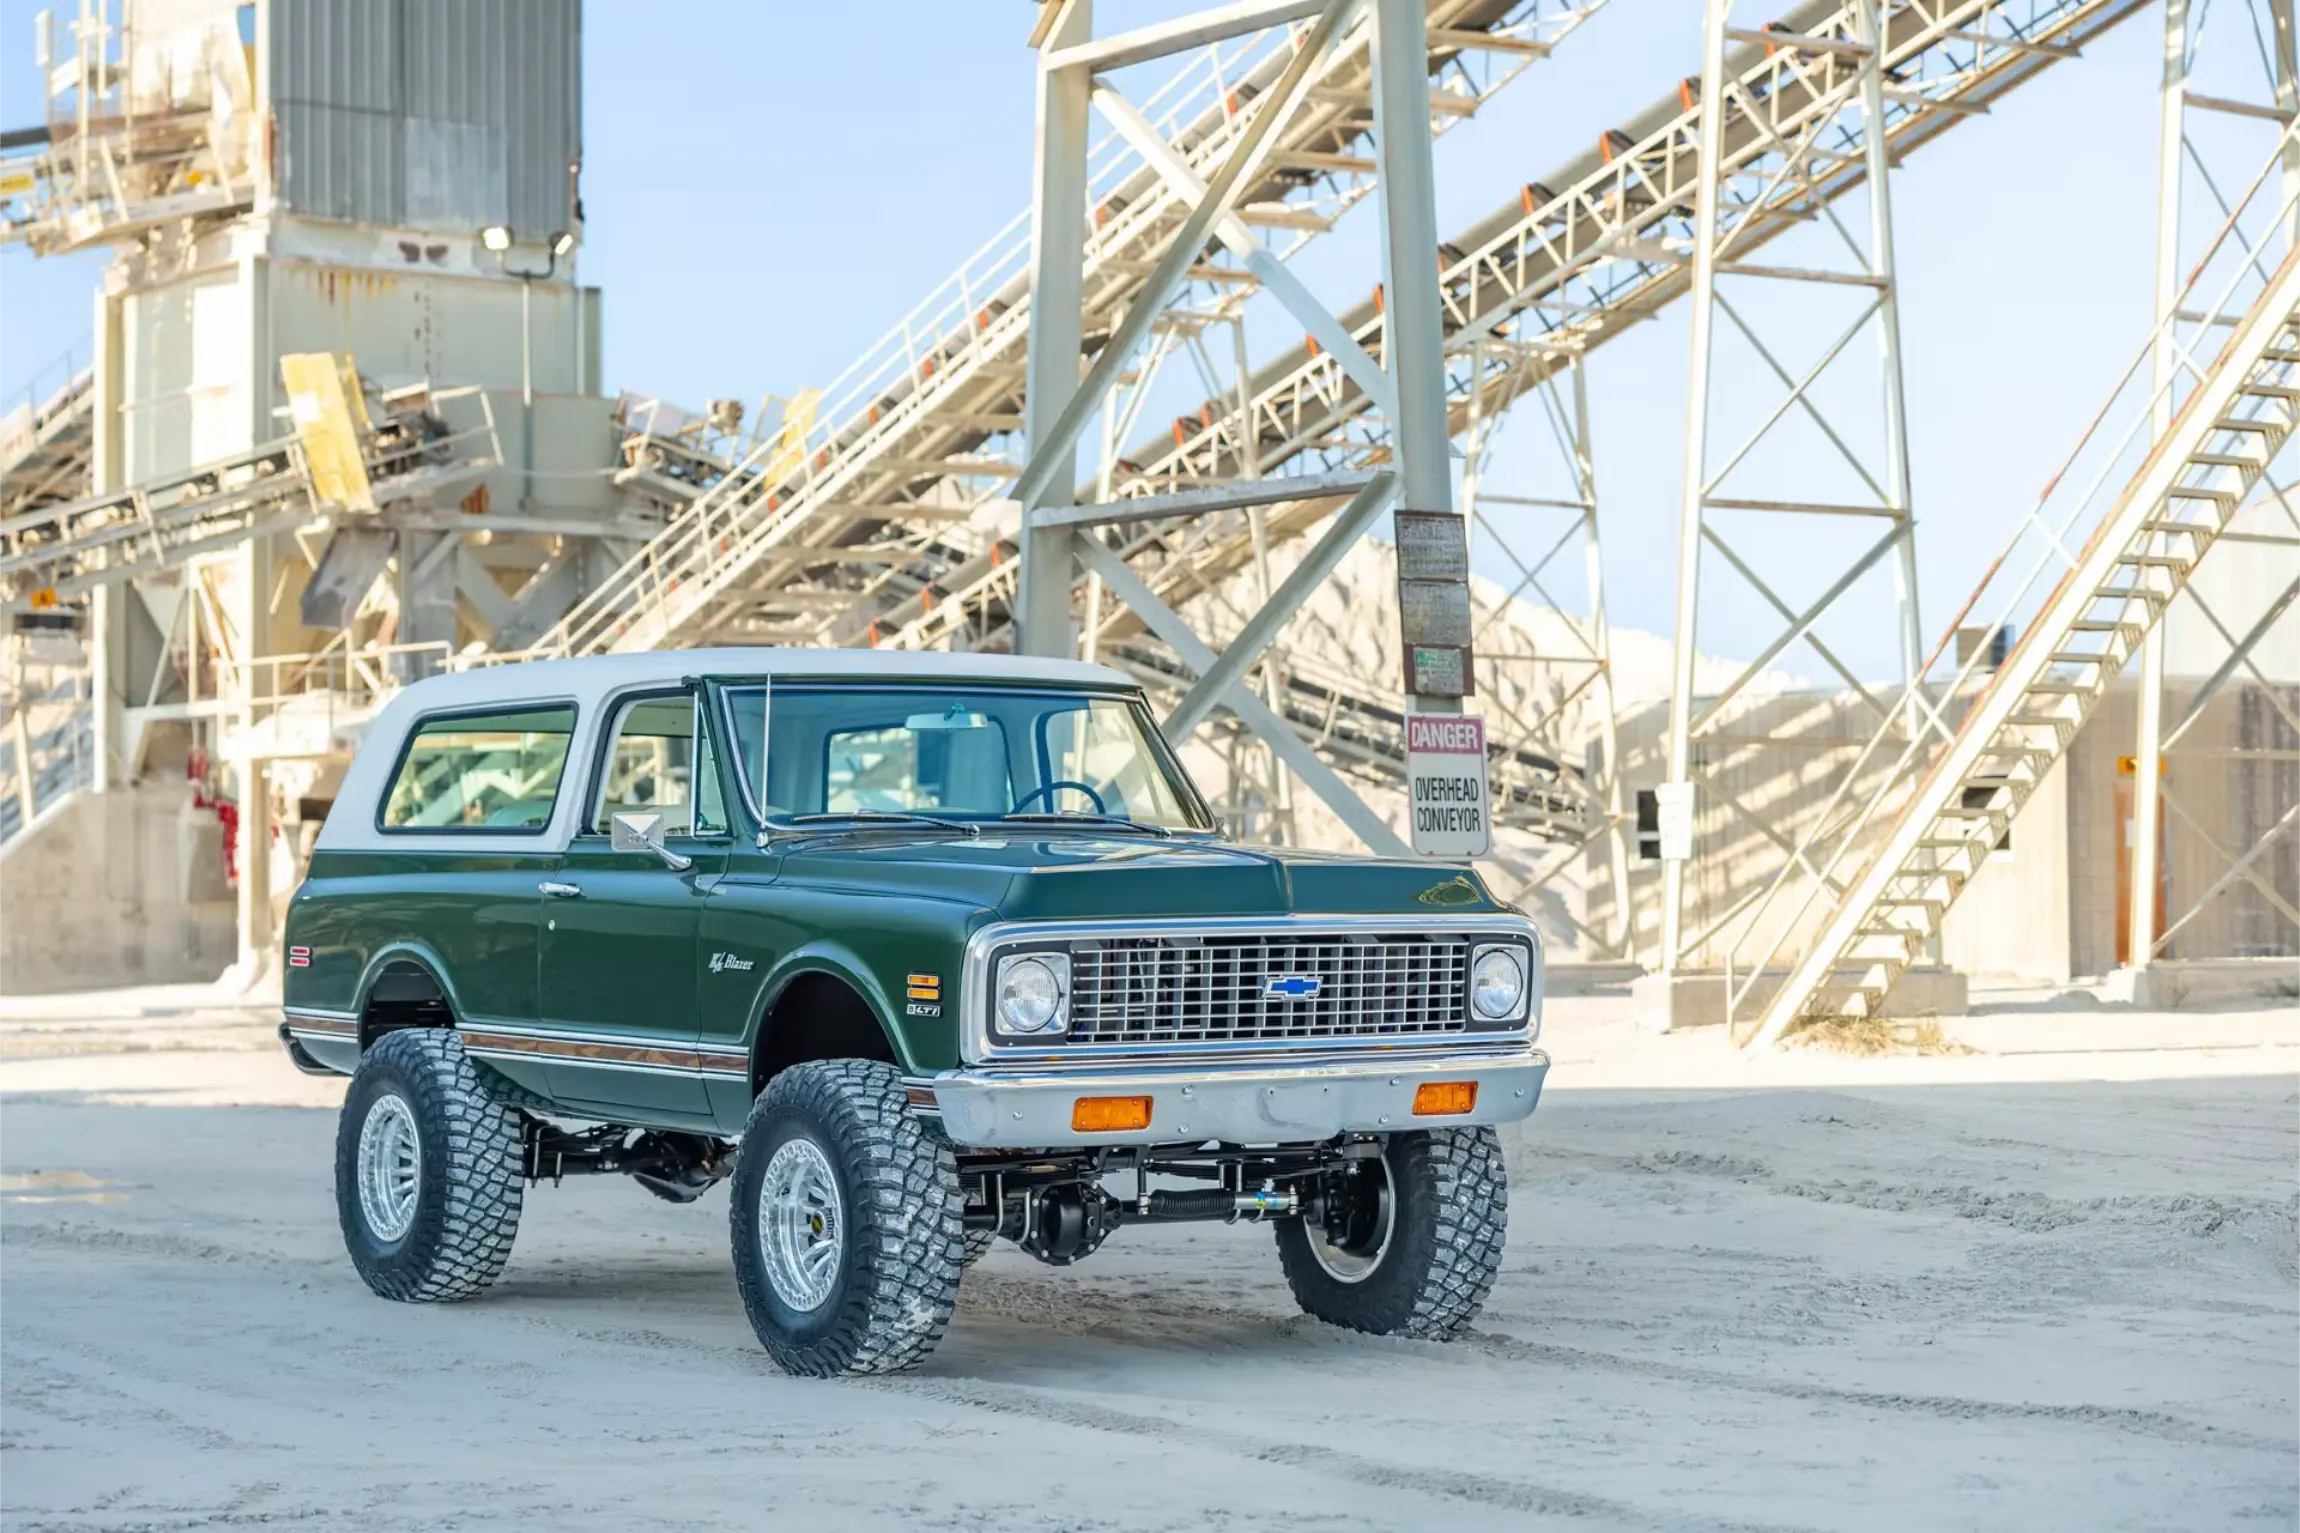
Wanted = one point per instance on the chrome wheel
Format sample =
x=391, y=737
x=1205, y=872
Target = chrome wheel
x=802, y=1228
x=1350, y=1249
x=390, y=1168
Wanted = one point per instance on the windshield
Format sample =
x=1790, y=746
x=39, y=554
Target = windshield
x=956, y=752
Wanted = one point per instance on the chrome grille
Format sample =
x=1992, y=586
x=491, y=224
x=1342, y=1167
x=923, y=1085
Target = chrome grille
x=1164, y=990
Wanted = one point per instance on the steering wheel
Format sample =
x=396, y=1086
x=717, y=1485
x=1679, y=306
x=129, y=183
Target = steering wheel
x=1047, y=791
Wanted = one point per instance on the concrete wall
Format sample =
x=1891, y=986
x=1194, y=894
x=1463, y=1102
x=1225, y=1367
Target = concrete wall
x=1775, y=762
x=119, y=888
x=2013, y=918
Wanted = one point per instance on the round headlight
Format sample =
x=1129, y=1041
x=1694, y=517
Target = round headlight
x=1497, y=984
x=1029, y=996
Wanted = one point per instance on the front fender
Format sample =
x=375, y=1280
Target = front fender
x=828, y=955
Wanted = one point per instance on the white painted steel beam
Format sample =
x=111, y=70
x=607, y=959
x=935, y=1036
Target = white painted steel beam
x=1251, y=711
x=1207, y=500
x=1179, y=34
x=1058, y=224
x=1280, y=605
x=1274, y=275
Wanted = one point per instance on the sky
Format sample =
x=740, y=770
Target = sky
x=769, y=186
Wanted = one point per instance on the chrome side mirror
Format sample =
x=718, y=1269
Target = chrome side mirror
x=635, y=832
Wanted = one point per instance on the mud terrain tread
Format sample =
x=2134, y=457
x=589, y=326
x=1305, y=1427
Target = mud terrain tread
x=978, y=1244
x=472, y=1195
x=907, y=1212
x=1453, y=1220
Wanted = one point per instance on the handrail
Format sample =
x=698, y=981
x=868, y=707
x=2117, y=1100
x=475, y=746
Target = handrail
x=2055, y=551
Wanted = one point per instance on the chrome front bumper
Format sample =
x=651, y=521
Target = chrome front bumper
x=1282, y=1102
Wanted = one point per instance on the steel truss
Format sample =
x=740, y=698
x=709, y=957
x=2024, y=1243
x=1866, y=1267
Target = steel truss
x=1565, y=265
x=1536, y=690
x=2215, y=124
x=905, y=449
x=1060, y=536
x=2091, y=571
x=1772, y=510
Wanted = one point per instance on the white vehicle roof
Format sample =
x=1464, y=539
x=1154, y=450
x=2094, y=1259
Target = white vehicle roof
x=595, y=676
x=589, y=681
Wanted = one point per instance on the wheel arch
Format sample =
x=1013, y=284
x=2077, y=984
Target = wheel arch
x=821, y=1003
x=404, y=985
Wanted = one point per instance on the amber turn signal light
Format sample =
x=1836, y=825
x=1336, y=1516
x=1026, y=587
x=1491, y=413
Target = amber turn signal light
x=1435, y=1099
x=1109, y=1115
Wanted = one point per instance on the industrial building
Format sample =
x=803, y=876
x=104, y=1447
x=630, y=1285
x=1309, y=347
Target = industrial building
x=343, y=425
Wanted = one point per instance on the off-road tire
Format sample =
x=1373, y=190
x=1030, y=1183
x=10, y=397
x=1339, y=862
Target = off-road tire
x=1451, y=1216
x=905, y=1237
x=469, y=1174
x=978, y=1244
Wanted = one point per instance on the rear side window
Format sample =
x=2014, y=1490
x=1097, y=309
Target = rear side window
x=496, y=773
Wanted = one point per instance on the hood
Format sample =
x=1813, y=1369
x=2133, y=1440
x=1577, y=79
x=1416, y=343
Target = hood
x=1088, y=877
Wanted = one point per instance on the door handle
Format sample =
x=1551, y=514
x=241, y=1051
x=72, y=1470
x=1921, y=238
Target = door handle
x=561, y=891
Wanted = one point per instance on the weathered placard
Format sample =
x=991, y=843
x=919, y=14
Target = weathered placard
x=1447, y=792
x=1435, y=618
x=1432, y=545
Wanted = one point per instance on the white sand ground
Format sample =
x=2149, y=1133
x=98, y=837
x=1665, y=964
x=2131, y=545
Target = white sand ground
x=2050, y=1284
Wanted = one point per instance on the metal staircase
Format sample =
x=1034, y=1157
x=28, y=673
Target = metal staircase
x=47, y=753
x=2239, y=410
x=898, y=441
x=47, y=445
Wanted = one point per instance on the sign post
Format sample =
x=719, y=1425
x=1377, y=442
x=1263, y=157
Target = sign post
x=1446, y=785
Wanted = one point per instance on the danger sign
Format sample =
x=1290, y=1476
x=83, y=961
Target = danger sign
x=1446, y=786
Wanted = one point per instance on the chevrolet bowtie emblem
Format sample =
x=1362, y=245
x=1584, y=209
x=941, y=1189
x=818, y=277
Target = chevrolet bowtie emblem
x=1292, y=987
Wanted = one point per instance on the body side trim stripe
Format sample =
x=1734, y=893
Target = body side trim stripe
x=603, y=1052
x=306, y=1025
x=509, y=1029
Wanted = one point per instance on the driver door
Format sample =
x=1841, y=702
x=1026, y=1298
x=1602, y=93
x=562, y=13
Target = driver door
x=620, y=959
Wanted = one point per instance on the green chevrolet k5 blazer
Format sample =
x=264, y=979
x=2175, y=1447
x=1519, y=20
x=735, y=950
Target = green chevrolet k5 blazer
x=916, y=952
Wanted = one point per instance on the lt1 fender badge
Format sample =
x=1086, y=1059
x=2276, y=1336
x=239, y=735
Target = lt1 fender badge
x=925, y=995
x=722, y=962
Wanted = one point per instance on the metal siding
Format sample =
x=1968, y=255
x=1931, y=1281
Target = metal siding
x=340, y=163
x=447, y=114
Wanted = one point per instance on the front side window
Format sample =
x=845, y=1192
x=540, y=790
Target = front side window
x=481, y=772
x=956, y=752
x=653, y=767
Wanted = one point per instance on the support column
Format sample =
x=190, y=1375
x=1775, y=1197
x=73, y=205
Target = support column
x=2148, y=736
x=1057, y=307
x=1869, y=22
x=253, y=853
x=1621, y=939
x=1696, y=457
x=107, y=632
x=1413, y=347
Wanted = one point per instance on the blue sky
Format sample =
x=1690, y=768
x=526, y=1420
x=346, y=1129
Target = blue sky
x=769, y=187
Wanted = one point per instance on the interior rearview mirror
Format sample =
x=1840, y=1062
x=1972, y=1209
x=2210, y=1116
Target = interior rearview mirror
x=639, y=831
x=955, y=718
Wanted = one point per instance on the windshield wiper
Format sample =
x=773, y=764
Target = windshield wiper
x=881, y=817
x=1085, y=817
